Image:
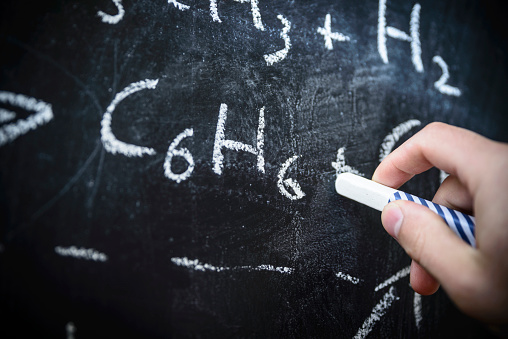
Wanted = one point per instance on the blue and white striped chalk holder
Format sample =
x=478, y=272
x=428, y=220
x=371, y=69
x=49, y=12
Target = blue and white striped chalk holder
x=375, y=195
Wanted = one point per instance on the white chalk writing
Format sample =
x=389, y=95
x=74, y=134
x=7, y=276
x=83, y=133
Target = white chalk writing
x=179, y=5
x=417, y=306
x=391, y=139
x=347, y=277
x=377, y=313
x=290, y=183
x=81, y=253
x=340, y=164
x=413, y=38
x=400, y=274
x=326, y=32
x=441, y=84
x=43, y=114
x=182, y=152
x=221, y=142
x=113, y=19
x=110, y=142
x=6, y=115
x=199, y=266
x=280, y=54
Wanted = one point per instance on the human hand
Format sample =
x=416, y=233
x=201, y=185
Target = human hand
x=476, y=279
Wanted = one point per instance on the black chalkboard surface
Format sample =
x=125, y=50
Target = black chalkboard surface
x=168, y=167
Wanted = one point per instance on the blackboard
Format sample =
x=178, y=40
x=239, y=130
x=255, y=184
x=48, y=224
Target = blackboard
x=167, y=167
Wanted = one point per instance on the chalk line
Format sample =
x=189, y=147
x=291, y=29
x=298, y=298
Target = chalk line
x=256, y=14
x=340, y=164
x=441, y=84
x=326, y=32
x=377, y=313
x=347, y=277
x=6, y=115
x=417, y=306
x=113, y=19
x=184, y=153
x=43, y=114
x=221, y=142
x=110, y=142
x=70, y=329
x=179, y=5
x=400, y=274
x=203, y=267
x=413, y=37
x=214, y=12
x=81, y=253
x=391, y=139
x=290, y=183
x=280, y=54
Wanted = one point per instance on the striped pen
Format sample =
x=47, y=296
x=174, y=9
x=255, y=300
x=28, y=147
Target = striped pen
x=375, y=195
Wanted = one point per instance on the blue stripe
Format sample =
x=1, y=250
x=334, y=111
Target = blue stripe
x=439, y=211
x=409, y=197
x=424, y=202
x=458, y=224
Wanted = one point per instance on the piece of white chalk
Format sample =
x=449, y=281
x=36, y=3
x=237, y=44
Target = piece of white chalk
x=363, y=190
x=377, y=196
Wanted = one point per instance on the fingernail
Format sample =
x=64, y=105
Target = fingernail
x=392, y=219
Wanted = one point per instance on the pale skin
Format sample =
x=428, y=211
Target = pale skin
x=476, y=279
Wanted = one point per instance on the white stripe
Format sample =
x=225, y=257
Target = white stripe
x=449, y=220
x=466, y=229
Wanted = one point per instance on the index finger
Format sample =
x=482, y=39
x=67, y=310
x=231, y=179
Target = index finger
x=452, y=149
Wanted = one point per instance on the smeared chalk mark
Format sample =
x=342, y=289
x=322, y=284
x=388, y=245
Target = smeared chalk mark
x=6, y=115
x=377, y=313
x=214, y=12
x=413, y=38
x=340, y=165
x=400, y=274
x=326, y=32
x=347, y=277
x=441, y=84
x=442, y=176
x=290, y=183
x=43, y=114
x=256, y=14
x=113, y=19
x=70, y=329
x=81, y=253
x=417, y=306
x=203, y=267
x=280, y=54
x=221, y=142
x=182, y=152
x=179, y=5
x=391, y=139
x=110, y=142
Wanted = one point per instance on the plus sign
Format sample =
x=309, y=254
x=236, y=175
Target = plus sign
x=329, y=36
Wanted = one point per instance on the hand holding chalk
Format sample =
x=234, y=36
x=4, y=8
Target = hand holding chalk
x=476, y=279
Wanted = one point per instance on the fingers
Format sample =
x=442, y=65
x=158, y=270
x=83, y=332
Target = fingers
x=453, y=194
x=421, y=281
x=438, y=145
x=430, y=242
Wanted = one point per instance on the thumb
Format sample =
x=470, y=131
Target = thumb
x=428, y=240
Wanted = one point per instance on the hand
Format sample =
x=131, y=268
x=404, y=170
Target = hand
x=476, y=279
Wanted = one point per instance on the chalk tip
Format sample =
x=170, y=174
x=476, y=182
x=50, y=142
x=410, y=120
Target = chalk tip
x=363, y=190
